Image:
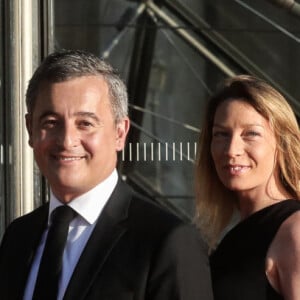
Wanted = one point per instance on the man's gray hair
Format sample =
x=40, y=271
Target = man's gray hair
x=67, y=64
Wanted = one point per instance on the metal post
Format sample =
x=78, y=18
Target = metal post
x=20, y=24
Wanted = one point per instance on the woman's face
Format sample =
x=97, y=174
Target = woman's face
x=243, y=148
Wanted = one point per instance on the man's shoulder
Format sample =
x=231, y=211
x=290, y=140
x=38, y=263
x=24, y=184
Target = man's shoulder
x=147, y=213
x=20, y=229
x=147, y=206
x=150, y=219
x=34, y=218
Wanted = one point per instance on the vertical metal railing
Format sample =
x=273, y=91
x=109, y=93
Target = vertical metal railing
x=2, y=174
x=21, y=55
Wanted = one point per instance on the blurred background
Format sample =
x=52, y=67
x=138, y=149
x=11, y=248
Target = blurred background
x=171, y=54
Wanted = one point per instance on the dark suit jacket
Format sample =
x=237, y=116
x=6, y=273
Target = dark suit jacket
x=136, y=251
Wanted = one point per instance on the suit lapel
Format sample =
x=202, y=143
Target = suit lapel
x=109, y=228
x=38, y=224
x=29, y=242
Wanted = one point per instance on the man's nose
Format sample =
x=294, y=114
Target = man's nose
x=68, y=137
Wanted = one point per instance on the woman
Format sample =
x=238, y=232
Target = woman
x=249, y=161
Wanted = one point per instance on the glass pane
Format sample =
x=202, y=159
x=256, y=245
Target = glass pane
x=177, y=93
x=265, y=34
x=98, y=27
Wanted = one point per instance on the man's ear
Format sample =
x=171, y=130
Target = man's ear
x=122, y=129
x=28, y=120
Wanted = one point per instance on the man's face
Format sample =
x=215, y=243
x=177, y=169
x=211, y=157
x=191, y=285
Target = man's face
x=74, y=136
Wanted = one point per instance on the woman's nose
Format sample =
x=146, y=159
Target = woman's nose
x=234, y=146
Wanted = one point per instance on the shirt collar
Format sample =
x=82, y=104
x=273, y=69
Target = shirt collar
x=90, y=204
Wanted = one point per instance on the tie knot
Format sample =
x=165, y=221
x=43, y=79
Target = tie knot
x=62, y=214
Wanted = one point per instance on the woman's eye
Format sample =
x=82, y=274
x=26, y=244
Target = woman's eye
x=252, y=133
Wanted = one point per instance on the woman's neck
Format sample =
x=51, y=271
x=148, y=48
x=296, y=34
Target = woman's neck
x=252, y=201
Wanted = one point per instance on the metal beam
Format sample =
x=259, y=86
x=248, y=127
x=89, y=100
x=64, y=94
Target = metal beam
x=190, y=39
x=290, y=5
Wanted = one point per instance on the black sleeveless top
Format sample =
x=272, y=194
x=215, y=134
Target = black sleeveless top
x=238, y=264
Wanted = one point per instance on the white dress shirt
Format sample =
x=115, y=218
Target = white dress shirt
x=88, y=206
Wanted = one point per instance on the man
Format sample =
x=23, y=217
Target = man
x=119, y=246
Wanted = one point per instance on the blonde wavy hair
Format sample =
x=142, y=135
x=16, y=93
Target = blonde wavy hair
x=215, y=204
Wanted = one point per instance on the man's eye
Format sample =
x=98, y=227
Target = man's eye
x=85, y=124
x=49, y=123
x=220, y=134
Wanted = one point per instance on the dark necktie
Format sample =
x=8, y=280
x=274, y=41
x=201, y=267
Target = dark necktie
x=46, y=286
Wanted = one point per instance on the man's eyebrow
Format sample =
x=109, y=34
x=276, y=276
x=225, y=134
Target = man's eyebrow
x=47, y=114
x=88, y=114
x=79, y=114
